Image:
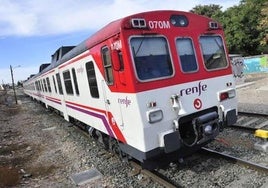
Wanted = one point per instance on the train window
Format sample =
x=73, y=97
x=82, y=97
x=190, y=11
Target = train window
x=186, y=54
x=107, y=63
x=41, y=85
x=36, y=85
x=151, y=57
x=68, y=82
x=59, y=83
x=45, y=85
x=120, y=57
x=75, y=81
x=54, y=83
x=92, y=81
x=213, y=52
x=48, y=84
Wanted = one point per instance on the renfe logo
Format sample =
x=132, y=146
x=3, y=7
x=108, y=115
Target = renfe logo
x=125, y=101
x=191, y=90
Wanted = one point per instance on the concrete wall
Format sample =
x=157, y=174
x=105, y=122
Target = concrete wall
x=256, y=64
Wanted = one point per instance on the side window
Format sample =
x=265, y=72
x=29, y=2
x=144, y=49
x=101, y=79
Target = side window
x=48, y=84
x=107, y=63
x=120, y=56
x=68, y=82
x=59, y=83
x=54, y=84
x=186, y=54
x=42, y=86
x=36, y=86
x=92, y=81
x=45, y=85
x=75, y=82
x=213, y=52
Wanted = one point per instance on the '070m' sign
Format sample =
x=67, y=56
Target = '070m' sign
x=159, y=24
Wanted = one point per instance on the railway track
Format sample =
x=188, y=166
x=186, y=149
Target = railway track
x=234, y=159
x=164, y=181
x=252, y=122
x=155, y=176
x=246, y=121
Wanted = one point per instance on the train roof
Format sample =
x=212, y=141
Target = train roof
x=106, y=32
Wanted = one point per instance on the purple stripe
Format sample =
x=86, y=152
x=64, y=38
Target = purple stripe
x=95, y=115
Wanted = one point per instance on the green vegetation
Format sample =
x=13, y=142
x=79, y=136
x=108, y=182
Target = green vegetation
x=245, y=25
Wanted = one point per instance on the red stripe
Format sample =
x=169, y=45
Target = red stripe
x=112, y=124
x=115, y=128
x=87, y=107
x=55, y=99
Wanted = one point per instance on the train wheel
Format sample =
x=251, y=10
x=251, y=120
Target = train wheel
x=115, y=148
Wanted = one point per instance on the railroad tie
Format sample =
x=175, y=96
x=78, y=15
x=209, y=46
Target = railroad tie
x=263, y=124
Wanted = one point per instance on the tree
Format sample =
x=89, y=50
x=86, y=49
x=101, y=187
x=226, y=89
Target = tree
x=242, y=30
x=245, y=25
x=263, y=28
x=211, y=11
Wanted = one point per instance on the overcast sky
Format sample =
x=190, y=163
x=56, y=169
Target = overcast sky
x=31, y=30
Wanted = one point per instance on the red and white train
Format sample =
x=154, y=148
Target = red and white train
x=156, y=85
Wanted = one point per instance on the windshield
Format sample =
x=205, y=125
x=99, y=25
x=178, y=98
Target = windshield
x=186, y=54
x=151, y=57
x=213, y=52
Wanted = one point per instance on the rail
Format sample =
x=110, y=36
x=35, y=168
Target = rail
x=155, y=176
x=237, y=160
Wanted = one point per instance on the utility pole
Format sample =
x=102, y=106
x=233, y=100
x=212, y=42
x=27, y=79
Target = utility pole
x=13, y=85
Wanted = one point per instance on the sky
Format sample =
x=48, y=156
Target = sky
x=32, y=30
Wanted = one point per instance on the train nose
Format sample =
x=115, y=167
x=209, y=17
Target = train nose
x=202, y=128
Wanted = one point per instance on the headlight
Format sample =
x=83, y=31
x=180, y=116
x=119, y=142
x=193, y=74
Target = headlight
x=179, y=20
x=154, y=116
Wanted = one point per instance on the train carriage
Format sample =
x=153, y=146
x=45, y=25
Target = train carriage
x=152, y=84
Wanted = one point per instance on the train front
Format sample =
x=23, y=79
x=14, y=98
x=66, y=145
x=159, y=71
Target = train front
x=185, y=91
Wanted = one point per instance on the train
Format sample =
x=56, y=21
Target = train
x=154, y=86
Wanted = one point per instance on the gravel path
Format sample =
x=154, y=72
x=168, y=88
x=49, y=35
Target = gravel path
x=41, y=149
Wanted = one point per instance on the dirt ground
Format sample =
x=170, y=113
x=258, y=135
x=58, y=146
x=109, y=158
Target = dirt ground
x=24, y=153
x=253, y=94
x=40, y=149
x=35, y=149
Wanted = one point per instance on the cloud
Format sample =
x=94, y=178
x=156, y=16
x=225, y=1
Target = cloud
x=36, y=18
x=49, y=17
x=15, y=19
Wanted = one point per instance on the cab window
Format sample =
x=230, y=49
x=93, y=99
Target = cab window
x=186, y=54
x=151, y=57
x=107, y=64
x=213, y=52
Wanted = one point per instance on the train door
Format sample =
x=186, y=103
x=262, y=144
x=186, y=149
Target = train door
x=63, y=108
x=113, y=111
